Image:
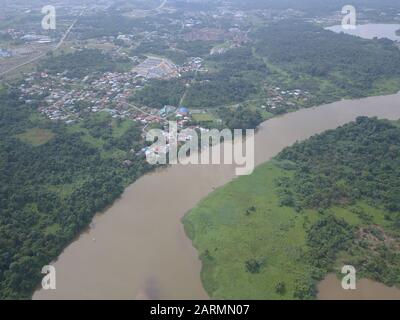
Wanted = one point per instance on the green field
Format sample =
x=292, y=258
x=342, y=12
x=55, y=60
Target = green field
x=227, y=234
x=203, y=117
x=36, y=136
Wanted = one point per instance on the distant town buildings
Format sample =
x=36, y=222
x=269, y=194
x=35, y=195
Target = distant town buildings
x=4, y=53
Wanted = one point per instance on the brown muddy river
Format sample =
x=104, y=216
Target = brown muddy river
x=137, y=249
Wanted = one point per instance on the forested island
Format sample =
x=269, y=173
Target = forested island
x=320, y=204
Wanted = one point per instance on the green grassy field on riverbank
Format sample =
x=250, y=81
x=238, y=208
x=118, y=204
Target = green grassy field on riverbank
x=228, y=233
x=254, y=244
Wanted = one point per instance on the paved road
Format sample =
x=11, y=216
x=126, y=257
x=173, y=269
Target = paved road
x=69, y=30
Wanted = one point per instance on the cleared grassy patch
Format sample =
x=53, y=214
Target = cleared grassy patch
x=36, y=136
x=53, y=229
x=203, y=117
x=242, y=222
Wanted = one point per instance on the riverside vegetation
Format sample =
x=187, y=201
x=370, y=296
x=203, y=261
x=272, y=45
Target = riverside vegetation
x=320, y=204
x=54, y=178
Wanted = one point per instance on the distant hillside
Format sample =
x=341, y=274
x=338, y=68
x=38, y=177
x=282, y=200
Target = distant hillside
x=314, y=7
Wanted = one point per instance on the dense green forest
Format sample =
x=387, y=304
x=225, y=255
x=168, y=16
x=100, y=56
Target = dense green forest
x=113, y=23
x=110, y=24
x=54, y=178
x=237, y=76
x=160, y=93
x=359, y=162
x=79, y=64
x=240, y=118
x=365, y=165
x=330, y=201
x=329, y=65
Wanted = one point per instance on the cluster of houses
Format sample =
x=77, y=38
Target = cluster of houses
x=182, y=136
x=63, y=99
x=194, y=64
x=279, y=98
x=167, y=113
x=108, y=93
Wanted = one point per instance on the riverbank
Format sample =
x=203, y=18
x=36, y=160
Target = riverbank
x=138, y=248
